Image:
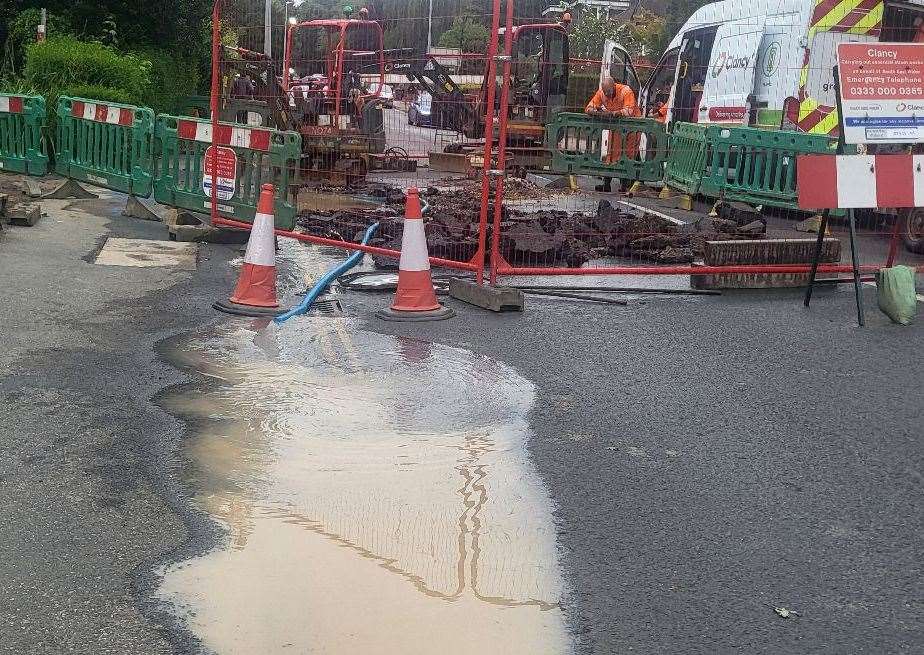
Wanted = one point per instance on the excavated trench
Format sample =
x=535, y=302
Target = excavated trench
x=533, y=231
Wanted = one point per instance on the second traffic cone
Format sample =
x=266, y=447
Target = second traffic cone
x=415, y=299
x=255, y=293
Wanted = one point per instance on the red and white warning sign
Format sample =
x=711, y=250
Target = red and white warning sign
x=882, y=92
x=860, y=181
x=226, y=173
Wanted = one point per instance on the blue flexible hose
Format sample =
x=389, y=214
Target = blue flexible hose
x=325, y=281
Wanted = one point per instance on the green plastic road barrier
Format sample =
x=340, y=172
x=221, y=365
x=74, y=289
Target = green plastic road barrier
x=198, y=106
x=21, y=121
x=686, y=161
x=757, y=166
x=248, y=157
x=106, y=144
x=576, y=142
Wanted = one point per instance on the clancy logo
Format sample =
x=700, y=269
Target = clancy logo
x=902, y=107
x=726, y=62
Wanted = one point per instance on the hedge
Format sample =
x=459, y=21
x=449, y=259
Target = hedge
x=63, y=63
x=174, y=77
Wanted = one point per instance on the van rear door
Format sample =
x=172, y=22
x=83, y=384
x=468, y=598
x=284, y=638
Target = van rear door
x=617, y=64
x=728, y=86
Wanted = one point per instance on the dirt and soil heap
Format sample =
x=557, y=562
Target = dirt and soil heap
x=540, y=238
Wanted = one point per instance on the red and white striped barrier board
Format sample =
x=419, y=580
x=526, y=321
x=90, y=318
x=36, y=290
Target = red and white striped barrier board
x=228, y=135
x=100, y=113
x=10, y=105
x=860, y=181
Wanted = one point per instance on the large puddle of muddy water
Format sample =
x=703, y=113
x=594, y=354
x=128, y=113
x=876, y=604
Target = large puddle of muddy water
x=376, y=494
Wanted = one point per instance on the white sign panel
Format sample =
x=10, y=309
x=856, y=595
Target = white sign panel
x=882, y=92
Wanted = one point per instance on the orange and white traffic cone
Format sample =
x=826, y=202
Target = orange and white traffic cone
x=415, y=299
x=255, y=293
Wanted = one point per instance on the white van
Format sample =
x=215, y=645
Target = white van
x=763, y=62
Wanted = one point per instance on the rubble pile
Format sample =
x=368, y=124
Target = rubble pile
x=543, y=238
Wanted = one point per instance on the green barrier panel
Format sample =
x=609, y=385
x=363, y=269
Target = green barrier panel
x=197, y=106
x=576, y=144
x=757, y=166
x=686, y=161
x=260, y=155
x=21, y=121
x=106, y=144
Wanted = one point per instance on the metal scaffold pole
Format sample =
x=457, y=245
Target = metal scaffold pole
x=268, y=28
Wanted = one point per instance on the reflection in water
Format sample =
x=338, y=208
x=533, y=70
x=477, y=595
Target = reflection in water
x=377, y=495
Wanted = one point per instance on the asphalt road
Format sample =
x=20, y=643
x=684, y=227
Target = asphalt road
x=713, y=459
x=90, y=504
x=417, y=141
x=709, y=459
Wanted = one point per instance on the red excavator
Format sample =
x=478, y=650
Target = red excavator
x=340, y=120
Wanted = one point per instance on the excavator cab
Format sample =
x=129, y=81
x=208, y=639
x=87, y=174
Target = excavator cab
x=538, y=80
x=330, y=67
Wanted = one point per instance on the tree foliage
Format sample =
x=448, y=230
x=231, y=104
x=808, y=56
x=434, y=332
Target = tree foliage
x=467, y=34
x=172, y=36
x=642, y=35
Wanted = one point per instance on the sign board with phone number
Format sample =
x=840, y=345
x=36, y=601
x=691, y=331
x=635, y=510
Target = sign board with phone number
x=226, y=174
x=882, y=92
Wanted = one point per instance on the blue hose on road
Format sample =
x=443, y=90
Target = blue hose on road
x=325, y=281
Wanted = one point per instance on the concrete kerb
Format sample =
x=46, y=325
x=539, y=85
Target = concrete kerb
x=183, y=225
x=495, y=299
x=27, y=216
x=24, y=215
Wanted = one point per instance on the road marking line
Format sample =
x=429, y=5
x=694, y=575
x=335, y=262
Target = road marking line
x=675, y=221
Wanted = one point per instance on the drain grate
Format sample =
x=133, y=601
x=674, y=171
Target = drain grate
x=327, y=306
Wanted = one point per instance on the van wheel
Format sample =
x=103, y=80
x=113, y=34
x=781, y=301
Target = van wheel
x=913, y=229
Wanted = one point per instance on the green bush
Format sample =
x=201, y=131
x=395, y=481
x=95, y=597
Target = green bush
x=63, y=63
x=98, y=92
x=17, y=87
x=174, y=77
x=66, y=66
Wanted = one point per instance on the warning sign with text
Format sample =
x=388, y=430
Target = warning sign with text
x=882, y=92
x=226, y=173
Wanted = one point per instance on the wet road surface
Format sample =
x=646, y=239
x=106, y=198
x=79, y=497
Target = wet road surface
x=704, y=461
x=376, y=494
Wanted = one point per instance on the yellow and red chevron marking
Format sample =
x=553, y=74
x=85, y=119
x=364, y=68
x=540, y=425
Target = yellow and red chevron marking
x=845, y=16
x=817, y=119
x=850, y=16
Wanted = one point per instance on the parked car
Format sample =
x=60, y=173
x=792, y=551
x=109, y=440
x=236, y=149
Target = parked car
x=420, y=111
x=387, y=94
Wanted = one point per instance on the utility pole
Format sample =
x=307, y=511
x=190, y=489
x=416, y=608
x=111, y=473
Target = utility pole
x=430, y=28
x=268, y=29
x=40, y=32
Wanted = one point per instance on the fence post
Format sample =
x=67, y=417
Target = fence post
x=491, y=70
x=503, y=110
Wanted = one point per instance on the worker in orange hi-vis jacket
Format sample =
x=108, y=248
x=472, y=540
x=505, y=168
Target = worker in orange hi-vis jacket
x=614, y=99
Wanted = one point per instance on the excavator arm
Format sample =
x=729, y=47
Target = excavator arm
x=453, y=109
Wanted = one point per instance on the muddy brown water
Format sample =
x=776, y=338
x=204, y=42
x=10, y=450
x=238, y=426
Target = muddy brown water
x=376, y=493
